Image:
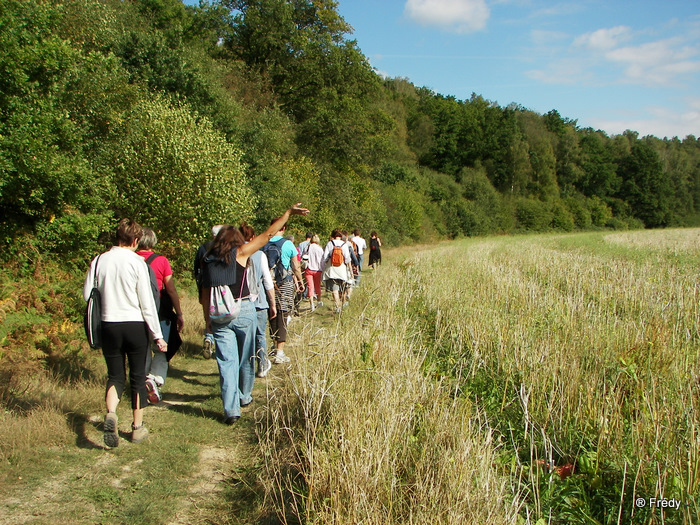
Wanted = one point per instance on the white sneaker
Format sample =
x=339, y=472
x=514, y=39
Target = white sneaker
x=263, y=368
x=152, y=391
x=280, y=358
x=208, y=348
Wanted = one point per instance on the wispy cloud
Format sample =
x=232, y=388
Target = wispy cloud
x=658, y=121
x=460, y=16
x=604, y=39
x=621, y=55
x=544, y=38
x=660, y=63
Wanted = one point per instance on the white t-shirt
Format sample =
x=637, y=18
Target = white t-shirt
x=315, y=253
x=360, y=243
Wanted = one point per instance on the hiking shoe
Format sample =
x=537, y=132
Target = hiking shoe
x=280, y=358
x=208, y=349
x=138, y=434
x=319, y=304
x=154, y=395
x=263, y=368
x=111, y=436
x=231, y=420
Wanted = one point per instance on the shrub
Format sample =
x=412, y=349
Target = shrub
x=532, y=215
x=176, y=174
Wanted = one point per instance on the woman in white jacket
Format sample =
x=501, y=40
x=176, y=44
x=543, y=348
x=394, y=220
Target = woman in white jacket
x=129, y=322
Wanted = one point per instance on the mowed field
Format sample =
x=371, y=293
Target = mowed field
x=503, y=380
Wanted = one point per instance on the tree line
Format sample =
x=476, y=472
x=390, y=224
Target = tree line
x=182, y=117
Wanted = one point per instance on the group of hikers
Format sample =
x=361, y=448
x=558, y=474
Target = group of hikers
x=245, y=283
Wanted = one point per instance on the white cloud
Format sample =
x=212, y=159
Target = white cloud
x=620, y=55
x=661, y=63
x=461, y=16
x=564, y=71
x=604, y=39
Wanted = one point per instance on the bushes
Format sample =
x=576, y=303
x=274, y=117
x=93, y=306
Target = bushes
x=176, y=174
x=532, y=215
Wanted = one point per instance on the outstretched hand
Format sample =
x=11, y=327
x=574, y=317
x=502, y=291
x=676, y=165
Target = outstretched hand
x=298, y=210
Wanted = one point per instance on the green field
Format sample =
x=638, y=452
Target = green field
x=534, y=379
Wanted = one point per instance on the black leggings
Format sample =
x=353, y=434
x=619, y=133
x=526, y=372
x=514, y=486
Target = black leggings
x=122, y=341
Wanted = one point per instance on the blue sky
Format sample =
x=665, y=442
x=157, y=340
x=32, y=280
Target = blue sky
x=609, y=64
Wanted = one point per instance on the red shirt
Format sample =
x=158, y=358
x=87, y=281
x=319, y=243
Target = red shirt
x=161, y=266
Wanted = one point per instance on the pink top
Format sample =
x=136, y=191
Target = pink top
x=161, y=266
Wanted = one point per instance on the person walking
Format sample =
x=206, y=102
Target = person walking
x=304, y=245
x=337, y=270
x=129, y=323
x=314, y=271
x=265, y=305
x=169, y=313
x=208, y=347
x=226, y=263
x=282, y=257
x=361, y=246
x=375, y=250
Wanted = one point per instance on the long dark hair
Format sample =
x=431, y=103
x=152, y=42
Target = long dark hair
x=225, y=242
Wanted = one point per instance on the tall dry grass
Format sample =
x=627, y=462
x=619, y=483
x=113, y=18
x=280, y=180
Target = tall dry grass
x=479, y=369
x=599, y=344
x=357, y=433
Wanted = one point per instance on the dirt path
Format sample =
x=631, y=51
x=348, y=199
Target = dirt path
x=192, y=469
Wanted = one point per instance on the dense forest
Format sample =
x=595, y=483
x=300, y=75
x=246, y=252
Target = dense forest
x=183, y=117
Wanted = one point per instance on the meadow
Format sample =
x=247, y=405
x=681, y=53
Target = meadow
x=527, y=379
x=537, y=379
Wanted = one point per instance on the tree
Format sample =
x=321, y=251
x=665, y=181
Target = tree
x=645, y=187
x=44, y=172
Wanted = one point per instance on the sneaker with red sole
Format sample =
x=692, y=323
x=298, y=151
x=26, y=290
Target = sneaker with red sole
x=154, y=395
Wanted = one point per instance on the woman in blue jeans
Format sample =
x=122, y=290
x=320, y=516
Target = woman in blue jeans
x=226, y=263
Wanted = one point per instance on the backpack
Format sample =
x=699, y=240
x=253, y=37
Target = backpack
x=273, y=252
x=154, y=281
x=337, y=258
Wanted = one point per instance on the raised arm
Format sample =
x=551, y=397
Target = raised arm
x=258, y=242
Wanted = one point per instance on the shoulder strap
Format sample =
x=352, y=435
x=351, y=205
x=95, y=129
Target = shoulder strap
x=94, y=278
x=152, y=258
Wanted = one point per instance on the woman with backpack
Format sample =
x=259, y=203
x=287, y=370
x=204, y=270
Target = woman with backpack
x=337, y=267
x=226, y=264
x=169, y=313
x=375, y=250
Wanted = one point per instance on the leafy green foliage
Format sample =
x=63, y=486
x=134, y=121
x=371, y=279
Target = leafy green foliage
x=175, y=173
x=233, y=109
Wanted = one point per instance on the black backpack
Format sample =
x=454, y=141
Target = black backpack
x=154, y=281
x=273, y=252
